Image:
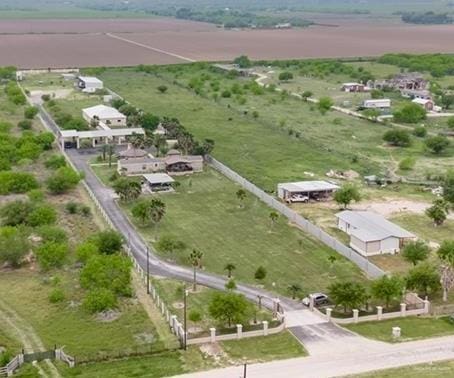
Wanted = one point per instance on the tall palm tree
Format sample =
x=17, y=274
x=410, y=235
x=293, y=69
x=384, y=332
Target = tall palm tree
x=157, y=210
x=160, y=142
x=241, y=195
x=294, y=290
x=196, y=261
x=229, y=268
x=110, y=152
x=134, y=190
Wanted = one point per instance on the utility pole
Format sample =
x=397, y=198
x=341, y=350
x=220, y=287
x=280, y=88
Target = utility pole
x=244, y=370
x=148, y=271
x=185, y=293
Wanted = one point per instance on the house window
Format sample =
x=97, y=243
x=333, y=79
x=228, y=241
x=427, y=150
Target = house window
x=144, y=167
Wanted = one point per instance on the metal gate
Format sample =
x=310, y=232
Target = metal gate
x=39, y=356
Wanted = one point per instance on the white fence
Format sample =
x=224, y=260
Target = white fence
x=371, y=269
x=12, y=366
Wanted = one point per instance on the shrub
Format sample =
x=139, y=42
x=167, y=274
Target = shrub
x=325, y=104
x=71, y=207
x=397, y=137
x=14, y=246
x=111, y=272
x=407, y=164
x=35, y=195
x=226, y=94
x=51, y=255
x=52, y=234
x=56, y=295
x=260, y=273
x=85, y=251
x=420, y=131
x=195, y=316
x=16, y=212
x=162, y=88
x=45, y=97
x=42, y=215
x=5, y=127
x=62, y=180
x=29, y=150
x=25, y=124
x=108, y=242
x=30, y=112
x=410, y=113
x=451, y=122
x=437, y=144
x=55, y=161
x=45, y=140
x=98, y=300
x=285, y=76
x=85, y=211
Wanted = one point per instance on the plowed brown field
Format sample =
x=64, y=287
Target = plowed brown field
x=79, y=43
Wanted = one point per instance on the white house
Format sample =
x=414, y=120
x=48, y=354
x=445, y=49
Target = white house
x=104, y=114
x=98, y=137
x=89, y=84
x=372, y=234
x=379, y=103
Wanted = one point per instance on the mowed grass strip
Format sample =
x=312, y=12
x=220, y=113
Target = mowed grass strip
x=412, y=328
x=205, y=214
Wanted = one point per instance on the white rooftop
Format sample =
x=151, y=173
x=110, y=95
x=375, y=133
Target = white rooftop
x=307, y=186
x=103, y=112
x=158, y=178
x=421, y=101
x=101, y=133
x=369, y=226
x=90, y=79
x=351, y=84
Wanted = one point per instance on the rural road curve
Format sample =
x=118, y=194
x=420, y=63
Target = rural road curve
x=139, y=246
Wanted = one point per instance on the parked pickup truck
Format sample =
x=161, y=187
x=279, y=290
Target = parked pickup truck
x=298, y=198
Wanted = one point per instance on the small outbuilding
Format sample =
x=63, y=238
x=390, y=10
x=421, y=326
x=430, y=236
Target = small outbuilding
x=304, y=191
x=426, y=104
x=159, y=182
x=354, y=87
x=380, y=103
x=89, y=84
x=372, y=234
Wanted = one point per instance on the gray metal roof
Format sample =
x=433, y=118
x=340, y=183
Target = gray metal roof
x=158, y=178
x=307, y=186
x=369, y=226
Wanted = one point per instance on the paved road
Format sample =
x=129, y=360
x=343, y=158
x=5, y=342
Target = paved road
x=353, y=356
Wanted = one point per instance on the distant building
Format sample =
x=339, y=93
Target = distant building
x=73, y=138
x=89, y=84
x=159, y=182
x=426, y=104
x=423, y=94
x=381, y=103
x=402, y=81
x=286, y=25
x=104, y=114
x=354, y=87
x=372, y=234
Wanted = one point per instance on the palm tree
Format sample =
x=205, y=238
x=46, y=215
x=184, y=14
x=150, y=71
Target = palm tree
x=196, y=261
x=110, y=152
x=160, y=142
x=294, y=290
x=104, y=151
x=229, y=268
x=273, y=217
x=157, y=210
x=134, y=189
x=241, y=195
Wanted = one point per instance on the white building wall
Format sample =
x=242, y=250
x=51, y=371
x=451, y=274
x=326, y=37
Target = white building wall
x=358, y=245
x=390, y=245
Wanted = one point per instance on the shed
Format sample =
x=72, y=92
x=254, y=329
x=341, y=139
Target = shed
x=89, y=84
x=425, y=103
x=159, y=182
x=297, y=191
x=380, y=103
x=372, y=234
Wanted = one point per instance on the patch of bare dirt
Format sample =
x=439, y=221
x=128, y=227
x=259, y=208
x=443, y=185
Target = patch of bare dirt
x=108, y=316
x=213, y=350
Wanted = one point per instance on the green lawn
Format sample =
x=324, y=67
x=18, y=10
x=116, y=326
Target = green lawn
x=172, y=292
x=272, y=347
x=431, y=370
x=412, y=328
x=266, y=149
x=204, y=213
x=422, y=226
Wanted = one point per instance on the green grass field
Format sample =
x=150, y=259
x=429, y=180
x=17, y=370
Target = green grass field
x=227, y=233
x=262, y=149
x=412, y=328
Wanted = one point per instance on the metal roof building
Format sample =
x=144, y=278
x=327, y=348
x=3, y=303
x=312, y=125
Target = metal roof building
x=371, y=233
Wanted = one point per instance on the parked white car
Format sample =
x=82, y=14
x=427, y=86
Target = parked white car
x=319, y=299
x=298, y=198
